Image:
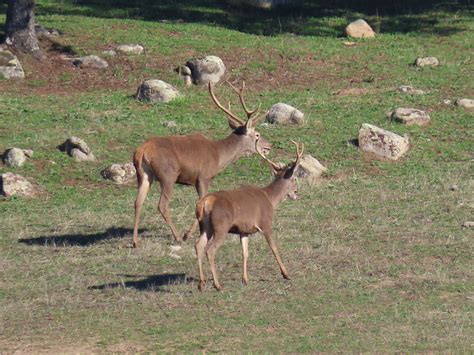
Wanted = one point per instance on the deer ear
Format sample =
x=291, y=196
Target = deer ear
x=290, y=171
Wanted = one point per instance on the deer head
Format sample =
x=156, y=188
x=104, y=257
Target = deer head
x=285, y=174
x=251, y=139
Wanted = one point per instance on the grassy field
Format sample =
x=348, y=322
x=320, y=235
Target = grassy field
x=377, y=254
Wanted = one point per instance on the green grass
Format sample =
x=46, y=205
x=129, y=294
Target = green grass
x=378, y=258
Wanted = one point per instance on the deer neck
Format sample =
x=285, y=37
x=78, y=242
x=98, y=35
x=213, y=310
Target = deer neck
x=276, y=191
x=230, y=149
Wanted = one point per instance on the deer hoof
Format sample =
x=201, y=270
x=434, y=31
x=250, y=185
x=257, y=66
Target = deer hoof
x=201, y=285
x=245, y=281
x=134, y=244
x=286, y=277
x=186, y=236
x=219, y=287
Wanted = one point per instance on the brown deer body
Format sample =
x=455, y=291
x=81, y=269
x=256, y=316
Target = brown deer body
x=242, y=211
x=191, y=160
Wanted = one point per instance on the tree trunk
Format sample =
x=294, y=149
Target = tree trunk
x=20, y=26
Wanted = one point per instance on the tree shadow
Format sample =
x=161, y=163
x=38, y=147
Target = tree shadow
x=79, y=239
x=314, y=18
x=150, y=283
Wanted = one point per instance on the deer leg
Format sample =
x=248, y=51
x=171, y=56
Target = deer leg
x=200, y=246
x=244, y=241
x=216, y=242
x=268, y=236
x=201, y=187
x=163, y=207
x=143, y=188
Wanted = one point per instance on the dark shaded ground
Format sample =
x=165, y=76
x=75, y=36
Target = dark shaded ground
x=149, y=283
x=79, y=239
x=309, y=18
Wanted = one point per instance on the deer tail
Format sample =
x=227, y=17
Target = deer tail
x=137, y=162
x=204, y=207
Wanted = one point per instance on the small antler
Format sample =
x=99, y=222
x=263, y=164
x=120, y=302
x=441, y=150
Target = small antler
x=275, y=166
x=236, y=120
x=299, y=153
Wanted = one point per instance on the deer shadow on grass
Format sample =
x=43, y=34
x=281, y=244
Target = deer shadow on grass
x=150, y=283
x=80, y=239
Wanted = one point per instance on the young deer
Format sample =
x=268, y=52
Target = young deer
x=192, y=160
x=243, y=211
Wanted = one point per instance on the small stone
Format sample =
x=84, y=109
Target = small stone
x=468, y=224
x=90, y=61
x=349, y=43
x=10, y=67
x=410, y=90
x=359, y=29
x=170, y=124
x=310, y=169
x=119, y=173
x=156, y=91
x=175, y=248
x=46, y=32
x=410, y=116
x=281, y=113
x=447, y=102
x=14, y=157
x=426, y=62
x=109, y=53
x=13, y=184
x=130, y=49
x=206, y=69
x=382, y=143
x=453, y=187
x=466, y=103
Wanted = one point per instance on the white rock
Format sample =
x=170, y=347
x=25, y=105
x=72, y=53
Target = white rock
x=90, y=61
x=10, y=67
x=466, y=103
x=410, y=116
x=381, y=142
x=468, y=224
x=156, y=91
x=310, y=169
x=109, y=52
x=119, y=173
x=13, y=184
x=359, y=29
x=14, y=157
x=410, y=90
x=281, y=113
x=206, y=69
x=426, y=62
x=130, y=49
x=447, y=102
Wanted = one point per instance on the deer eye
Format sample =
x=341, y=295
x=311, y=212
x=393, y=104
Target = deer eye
x=257, y=135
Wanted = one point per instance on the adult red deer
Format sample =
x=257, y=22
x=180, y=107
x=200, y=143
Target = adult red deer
x=192, y=160
x=243, y=211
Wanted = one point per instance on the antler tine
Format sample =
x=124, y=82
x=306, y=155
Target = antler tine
x=237, y=120
x=240, y=92
x=275, y=166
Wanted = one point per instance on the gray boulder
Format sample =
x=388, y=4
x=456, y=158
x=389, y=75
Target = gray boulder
x=119, y=173
x=206, y=69
x=15, y=156
x=10, y=67
x=466, y=103
x=359, y=29
x=281, y=113
x=78, y=149
x=382, y=143
x=410, y=116
x=13, y=184
x=90, y=61
x=156, y=91
x=310, y=169
x=426, y=62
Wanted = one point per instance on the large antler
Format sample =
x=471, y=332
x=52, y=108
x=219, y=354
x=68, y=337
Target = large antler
x=238, y=121
x=240, y=92
x=275, y=166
